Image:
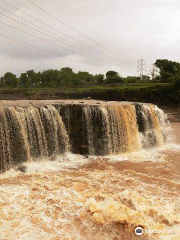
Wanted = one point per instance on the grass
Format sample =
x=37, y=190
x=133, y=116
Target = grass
x=81, y=89
x=158, y=93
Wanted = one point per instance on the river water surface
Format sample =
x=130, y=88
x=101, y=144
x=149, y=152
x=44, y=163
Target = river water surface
x=83, y=198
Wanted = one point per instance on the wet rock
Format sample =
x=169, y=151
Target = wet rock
x=22, y=168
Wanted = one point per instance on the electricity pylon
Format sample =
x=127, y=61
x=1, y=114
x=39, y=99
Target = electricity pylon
x=141, y=67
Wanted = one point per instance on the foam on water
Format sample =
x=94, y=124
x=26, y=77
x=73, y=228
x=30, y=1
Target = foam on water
x=153, y=155
x=71, y=161
x=89, y=198
x=66, y=161
x=81, y=204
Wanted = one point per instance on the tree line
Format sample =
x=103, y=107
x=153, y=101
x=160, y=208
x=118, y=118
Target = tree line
x=57, y=78
x=167, y=71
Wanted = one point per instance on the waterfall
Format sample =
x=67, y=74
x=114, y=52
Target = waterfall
x=34, y=129
x=152, y=124
x=30, y=131
x=117, y=129
x=88, y=112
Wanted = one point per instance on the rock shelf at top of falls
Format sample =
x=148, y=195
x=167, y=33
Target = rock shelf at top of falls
x=44, y=129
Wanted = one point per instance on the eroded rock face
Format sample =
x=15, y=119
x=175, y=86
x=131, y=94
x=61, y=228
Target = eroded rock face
x=75, y=125
x=41, y=129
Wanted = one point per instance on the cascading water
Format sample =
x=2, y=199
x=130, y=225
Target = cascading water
x=116, y=131
x=88, y=197
x=30, y=130
x=152, y=125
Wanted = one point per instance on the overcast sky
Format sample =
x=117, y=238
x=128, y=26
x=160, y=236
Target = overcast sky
x=127, y=29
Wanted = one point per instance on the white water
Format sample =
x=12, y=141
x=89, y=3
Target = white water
x=96, y=197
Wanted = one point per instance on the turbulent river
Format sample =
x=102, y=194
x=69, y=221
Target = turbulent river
x=88, y=170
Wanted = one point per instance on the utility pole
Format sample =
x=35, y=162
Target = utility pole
x=153, y=72
x=141, y=67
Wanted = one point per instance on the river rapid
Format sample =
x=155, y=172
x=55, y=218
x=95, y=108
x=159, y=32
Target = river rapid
x=96, y=198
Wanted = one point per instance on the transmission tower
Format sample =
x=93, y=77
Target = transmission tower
x=141, y=67
x=153, y=72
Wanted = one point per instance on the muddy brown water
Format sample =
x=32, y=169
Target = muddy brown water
x=97, y=197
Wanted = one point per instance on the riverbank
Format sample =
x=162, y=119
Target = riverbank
x=157, y=93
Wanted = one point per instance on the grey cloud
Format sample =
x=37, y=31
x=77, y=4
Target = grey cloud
x=129, y=28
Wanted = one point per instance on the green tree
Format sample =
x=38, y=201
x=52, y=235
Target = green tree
x=50, y=77
x=10, y=79
x=67, y=70
x=1, y=82
x=113, y=77
x=67, y=77
x=32, y=77
x=168, y=69
x=145, y=78
x=85, y=77
x=132, y=79
x=24, y=80
x=99, y=78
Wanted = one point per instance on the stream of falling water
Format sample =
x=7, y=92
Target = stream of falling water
x=30, y=132
x=76, y=197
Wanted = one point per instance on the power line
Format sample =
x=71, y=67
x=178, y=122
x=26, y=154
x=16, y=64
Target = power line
x=57, y=29
x=41, y=27
x=42, y=49
x=51, y=34
x=39, y=38
x=44, y=23
x=69, y=26
x=50, y=37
